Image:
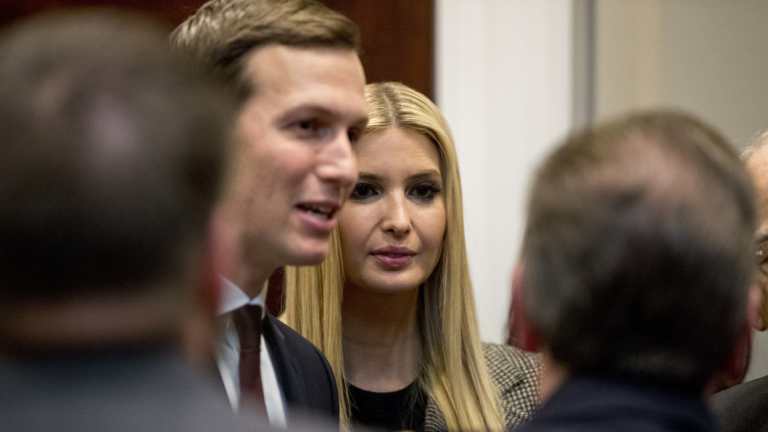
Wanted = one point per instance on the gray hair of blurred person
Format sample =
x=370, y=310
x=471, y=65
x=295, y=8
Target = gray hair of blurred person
x=638, y=249
x=112, y=155
x=760, y=141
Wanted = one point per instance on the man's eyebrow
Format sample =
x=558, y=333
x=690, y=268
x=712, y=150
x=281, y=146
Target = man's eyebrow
x=305, y=109
x=322, y=111
x=762, y=238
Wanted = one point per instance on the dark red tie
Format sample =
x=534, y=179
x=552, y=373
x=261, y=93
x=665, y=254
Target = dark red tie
x=248, y=321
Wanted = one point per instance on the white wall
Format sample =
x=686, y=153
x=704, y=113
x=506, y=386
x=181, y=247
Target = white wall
x=705, y=56
x=504, y=83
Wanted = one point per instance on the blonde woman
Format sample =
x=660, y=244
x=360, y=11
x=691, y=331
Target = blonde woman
x=392, y=306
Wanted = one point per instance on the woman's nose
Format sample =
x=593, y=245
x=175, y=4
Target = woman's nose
x=397, y=220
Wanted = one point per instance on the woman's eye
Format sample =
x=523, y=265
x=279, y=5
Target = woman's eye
x=363, y=191
x=424, y=192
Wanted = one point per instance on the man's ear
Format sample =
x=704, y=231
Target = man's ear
x=522, y=333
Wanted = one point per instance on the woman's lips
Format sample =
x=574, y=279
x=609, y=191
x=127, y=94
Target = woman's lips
x=393, y=257
x=392, y=262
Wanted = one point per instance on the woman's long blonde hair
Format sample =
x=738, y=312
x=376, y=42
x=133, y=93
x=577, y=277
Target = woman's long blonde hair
x=453, y=371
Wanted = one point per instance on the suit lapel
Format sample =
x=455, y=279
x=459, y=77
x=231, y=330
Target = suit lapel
x=289, y=376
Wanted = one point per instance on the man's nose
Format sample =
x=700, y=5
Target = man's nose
x=338, y=164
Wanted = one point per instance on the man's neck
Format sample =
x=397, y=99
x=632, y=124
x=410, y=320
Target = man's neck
x=251, y=279
x=248, y=270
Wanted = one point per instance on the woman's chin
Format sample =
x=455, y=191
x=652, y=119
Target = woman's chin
x=392, y=286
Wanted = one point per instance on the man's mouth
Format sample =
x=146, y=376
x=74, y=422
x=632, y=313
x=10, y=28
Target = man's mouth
x=325, y=211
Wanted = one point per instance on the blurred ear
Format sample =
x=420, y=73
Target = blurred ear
x=736, y=364
x=756, y=307
x=735, y=367
x=521, y=334
x=214, y=261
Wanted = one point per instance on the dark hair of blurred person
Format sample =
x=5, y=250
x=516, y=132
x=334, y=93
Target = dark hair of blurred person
x=636, y=263
x=112, y=155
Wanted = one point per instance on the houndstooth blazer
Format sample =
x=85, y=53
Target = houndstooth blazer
x=515, y=373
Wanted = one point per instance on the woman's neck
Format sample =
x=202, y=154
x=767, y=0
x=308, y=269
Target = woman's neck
x=382, y=344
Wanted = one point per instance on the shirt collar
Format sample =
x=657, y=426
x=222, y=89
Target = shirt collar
x=232, y=297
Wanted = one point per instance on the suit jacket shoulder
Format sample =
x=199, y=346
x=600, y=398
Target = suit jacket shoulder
x=303, y=373
x=516, y=373
x=516, y=376
x=743, y=407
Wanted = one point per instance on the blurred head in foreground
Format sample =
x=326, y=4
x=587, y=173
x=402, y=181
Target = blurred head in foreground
x=638, y=252
x=111, y=158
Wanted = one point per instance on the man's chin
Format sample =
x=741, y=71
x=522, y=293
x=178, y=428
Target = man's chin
x=308, y=254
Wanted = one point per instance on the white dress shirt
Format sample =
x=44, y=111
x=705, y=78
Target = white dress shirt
x=228, y=355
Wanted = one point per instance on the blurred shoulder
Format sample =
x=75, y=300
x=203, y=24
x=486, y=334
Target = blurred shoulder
x=742, y=407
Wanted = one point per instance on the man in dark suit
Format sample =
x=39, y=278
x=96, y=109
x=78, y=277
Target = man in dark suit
x=294, y=63
x=112, y=153
x=744, y=408
x=635, y=268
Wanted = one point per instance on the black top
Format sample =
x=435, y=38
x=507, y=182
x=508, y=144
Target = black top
x=399, y=410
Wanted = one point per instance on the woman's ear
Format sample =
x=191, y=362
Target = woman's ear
x=521, y=333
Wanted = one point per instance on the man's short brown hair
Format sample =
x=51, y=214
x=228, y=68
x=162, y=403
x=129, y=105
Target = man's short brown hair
x=222, y=32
